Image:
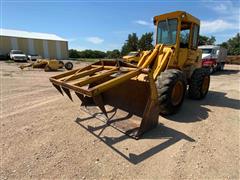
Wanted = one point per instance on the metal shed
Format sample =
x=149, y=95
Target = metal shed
x=46, y=45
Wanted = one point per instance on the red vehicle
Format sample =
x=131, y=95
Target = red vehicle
x=213, y=57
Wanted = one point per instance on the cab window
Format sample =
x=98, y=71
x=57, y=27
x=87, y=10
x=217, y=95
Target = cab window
x=167, y=32
x=184, y=35
x=195, y=36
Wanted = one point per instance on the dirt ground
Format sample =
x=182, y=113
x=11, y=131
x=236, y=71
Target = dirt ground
x=45, y=135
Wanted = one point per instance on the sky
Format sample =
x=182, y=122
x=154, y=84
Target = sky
x=105, y=24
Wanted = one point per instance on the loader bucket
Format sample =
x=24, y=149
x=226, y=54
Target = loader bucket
x=118, y=93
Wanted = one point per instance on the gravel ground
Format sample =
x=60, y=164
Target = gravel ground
x=44, y=135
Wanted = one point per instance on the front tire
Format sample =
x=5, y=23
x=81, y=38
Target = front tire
x=199, y=84
x=171, y=87
x=68, y=66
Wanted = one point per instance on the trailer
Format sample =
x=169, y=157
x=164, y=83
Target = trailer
x=213, y=57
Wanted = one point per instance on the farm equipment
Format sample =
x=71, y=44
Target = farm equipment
x=133, y=57
x=48, y=65
x=131, y=97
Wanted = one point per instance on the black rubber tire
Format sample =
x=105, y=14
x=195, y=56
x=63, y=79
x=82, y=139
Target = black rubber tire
x=165, y=84
x=62, y=63
x=195, y=90
x=68, y=65
x=222, y=66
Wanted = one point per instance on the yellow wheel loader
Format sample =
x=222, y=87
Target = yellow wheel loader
x=48, y=65
x=131, y=97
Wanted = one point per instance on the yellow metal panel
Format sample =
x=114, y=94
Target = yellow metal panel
x=176, y=14
x=52, y=49
x=38, y=44
x=5, y=44
x=182, y=58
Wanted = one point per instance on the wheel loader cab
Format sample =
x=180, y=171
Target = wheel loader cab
x=179, y=31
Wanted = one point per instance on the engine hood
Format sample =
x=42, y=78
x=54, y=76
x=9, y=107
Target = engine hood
x=128, y=57
x=18, y=55
x=206, y=56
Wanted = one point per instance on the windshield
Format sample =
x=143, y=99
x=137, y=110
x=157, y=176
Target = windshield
x=167, y=32
x=206, y=51
x=17, y=52
x=132, y=53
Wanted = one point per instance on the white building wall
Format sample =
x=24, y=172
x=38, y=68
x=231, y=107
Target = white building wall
x=58, y=50
x=31, y=48
x=45, y=49
x=14, y=43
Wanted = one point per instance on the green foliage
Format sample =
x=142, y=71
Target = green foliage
x=145, y=42
x=92, y=54
x=113, y=54
x=232, y=45
x=131, y=44
x=73, y=53
x=125, y=50
x=86, y=54
x=204, y=40
x=135, y=44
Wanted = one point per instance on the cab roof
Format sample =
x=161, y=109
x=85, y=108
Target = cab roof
x=187, y=17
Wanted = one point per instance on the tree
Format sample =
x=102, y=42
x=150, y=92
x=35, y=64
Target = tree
x=125, y=49
x=73, y=53
x=113, y=54
x=131, y=44
x=232, y=45
x=145, y=42
x=204, y=40
x=88, y=53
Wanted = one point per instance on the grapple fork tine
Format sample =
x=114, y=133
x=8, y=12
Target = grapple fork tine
x=81, y=97
x=58, y=88
x=99, y=102
x=67, y=91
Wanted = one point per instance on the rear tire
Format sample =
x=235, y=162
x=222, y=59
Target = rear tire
x=171, y=87
x=199, y=84
x=68, y=66
x=222, y=66
x=61, y=63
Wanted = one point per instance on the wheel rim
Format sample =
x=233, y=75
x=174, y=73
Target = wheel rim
x=177, y=93
x=205, y=84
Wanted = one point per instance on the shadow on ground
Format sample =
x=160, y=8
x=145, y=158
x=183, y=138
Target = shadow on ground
x=160, y=132
x=192, y=111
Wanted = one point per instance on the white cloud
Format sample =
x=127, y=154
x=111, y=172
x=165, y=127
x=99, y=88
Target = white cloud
x=95, y=40
x=218, y=25
x=220, y=8
x=142, y=22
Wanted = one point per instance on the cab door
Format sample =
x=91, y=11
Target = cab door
x=184, y=43
x=194, y=55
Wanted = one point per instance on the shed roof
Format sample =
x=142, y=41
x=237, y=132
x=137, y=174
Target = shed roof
x=27, y=34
